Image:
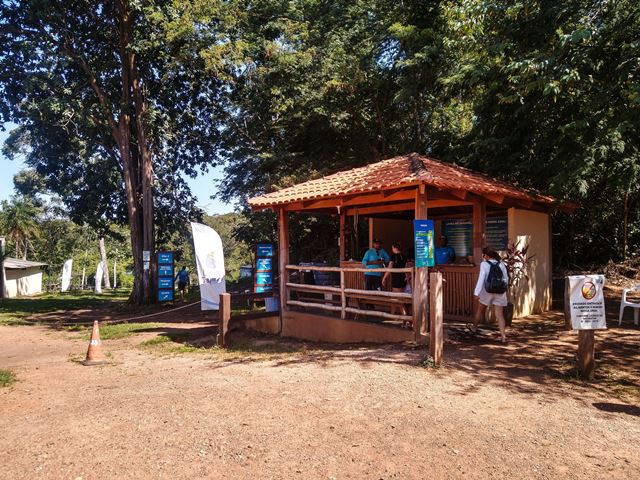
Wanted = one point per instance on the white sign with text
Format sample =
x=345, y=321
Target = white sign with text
x=586, y=297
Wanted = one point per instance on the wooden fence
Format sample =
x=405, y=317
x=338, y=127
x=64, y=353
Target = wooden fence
x=344, y=290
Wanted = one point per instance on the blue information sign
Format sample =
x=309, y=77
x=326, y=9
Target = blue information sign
x=165, y=282
x=165, y=295
x=423, y=238
x=165, y=270
x=263, y=288
x=264, y=250
x=264, y=264
x=264, y=278
x=165, y=257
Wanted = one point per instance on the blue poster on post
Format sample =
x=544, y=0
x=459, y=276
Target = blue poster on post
x=264, y=289
x=165, y=282
x=264, y=278
x=165, y=257
x=264, y=264
x=423, y=233
x=165, y=295
x=264, y=250
x=165, y=270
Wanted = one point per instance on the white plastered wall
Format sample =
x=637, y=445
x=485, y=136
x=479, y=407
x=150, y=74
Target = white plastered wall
x=21, y=282
x=533, y=294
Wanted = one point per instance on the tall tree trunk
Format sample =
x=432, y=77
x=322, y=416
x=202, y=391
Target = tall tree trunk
x=625, y=225
x=129, y=167
x=146, y=177
x=103, y=258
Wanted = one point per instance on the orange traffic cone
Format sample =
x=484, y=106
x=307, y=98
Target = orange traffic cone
x=94, y=352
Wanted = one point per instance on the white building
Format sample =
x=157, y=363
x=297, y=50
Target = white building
x=21, y=277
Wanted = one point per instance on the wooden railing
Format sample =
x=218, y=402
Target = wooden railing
x=457, y=290
x=346, y=290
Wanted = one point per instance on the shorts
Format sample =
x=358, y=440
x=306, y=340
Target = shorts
x=372, y=282
x=182, y=285
x=498, y=299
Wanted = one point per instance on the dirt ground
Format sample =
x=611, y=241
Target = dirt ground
x=274, y=408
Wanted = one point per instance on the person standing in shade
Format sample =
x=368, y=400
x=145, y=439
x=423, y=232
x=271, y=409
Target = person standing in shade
x=399, y=279
x=182, y=277
x=491, y=289
x=444, y=254
x=374, y=258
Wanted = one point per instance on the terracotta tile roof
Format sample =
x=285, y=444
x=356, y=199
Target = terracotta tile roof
x=405, y=170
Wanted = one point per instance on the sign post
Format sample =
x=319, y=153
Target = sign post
x=165, y=276
x=587, y=314
x=263, y=279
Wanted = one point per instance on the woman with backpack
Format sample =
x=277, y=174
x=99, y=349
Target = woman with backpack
x=491, y=289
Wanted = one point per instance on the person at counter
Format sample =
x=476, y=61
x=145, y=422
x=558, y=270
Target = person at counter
x=444, y=254
x=375, y=257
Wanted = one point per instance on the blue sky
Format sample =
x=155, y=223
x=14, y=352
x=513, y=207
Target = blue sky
x=202, y=187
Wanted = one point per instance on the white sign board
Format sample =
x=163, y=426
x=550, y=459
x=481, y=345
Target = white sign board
x=146, y=256
x=210, y=262
x=66, y=275
x=586, y=298
x=99, y=277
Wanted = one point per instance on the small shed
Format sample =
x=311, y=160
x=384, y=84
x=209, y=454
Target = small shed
x=21, y=277
x=472, y=209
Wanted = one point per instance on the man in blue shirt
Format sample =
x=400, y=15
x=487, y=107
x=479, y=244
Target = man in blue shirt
x=183, y=280
x=375, y=257
x=444, y=254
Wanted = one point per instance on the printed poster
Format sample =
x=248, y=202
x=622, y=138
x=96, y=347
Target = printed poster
x=586, y=299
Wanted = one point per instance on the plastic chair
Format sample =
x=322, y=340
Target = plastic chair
x=625, y=303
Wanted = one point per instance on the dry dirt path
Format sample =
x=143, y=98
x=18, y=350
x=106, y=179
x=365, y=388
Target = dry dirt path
x=361, y=413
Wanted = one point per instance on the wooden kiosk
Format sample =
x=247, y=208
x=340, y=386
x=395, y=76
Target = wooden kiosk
x=392, y=193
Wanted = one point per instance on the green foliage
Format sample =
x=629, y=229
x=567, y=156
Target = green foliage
x=19, y=221
x=7, y=377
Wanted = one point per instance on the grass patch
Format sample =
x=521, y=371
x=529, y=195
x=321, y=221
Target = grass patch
x=113, y=331
x=13, y=311
x=7, y=377
x=428, y=362
x=254, y=348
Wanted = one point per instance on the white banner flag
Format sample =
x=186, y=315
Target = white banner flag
x=66, y=275
x=586, y=299
x=210, y=263
x=99, y=277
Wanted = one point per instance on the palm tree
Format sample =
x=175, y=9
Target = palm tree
x=20, y=222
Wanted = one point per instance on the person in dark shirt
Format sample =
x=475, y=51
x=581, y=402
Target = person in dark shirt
x=398, y=280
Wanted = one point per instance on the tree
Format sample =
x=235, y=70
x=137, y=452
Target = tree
x=111, y=94
x=19, y=220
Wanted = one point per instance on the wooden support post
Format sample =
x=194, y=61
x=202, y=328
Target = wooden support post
x=586, y=354
x=224, y=315
x=479, y=223
x=283, y=261
x=343, y=297
x=436, y=317
x=343, y=240
x=420, y=283
x=567, y=305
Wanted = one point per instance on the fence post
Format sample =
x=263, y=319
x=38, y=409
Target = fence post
x=224, y=314
x=343, y=297
x=436, y=317
x=586, y=354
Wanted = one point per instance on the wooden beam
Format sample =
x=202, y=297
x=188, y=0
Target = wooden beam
x=498, y=199
x=283, y=260
x=461, y=194
x=479, y=222
x=342, y=245
x=351, y=200
x=420, y=283
x=436, y=317
x=224, y=315
x=586, y=354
